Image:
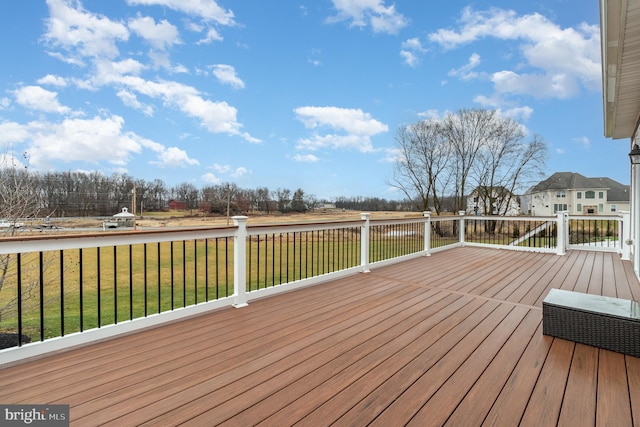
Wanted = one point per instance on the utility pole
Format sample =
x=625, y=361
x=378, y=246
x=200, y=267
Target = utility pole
x=228, y=201
x=134, y=206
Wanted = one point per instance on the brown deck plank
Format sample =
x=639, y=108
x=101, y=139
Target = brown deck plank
x=512, y=401
x=258, y=403
x=384, y=385
x=582, y=284
x=595, y=280
x=417, y=393
x=141, y=362
x=365, y=336
x=187, y=331
x=558, y=280
x=579, y=404
x=633, y=367
x=546, y=400
x=303, y=404
x=570, y=280
x=631, y=278
x=623, y=287
x=477, y=403
x=249, y=354
x=614, y=405
x=452, y=338
x=608, y=276
x=443, y=403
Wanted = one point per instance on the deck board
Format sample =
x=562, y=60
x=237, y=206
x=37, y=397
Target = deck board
x=581, y=392
x=449, y=339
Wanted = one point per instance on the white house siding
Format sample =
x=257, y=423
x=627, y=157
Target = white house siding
x=568, y=191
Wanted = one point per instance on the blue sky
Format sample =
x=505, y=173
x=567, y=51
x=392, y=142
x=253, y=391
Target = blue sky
x=291, y=93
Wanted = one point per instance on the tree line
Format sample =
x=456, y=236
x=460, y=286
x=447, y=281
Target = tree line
x=26, y=194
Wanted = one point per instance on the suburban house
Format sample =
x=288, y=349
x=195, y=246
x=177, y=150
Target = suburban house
x=492, y=201
x=576, y=194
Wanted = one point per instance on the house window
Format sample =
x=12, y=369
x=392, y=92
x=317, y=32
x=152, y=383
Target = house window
x=579, y=195
x=613, y=208
x=601, y=195
x=559, y=207
x=589, y=194
x=561, y=194
x=600, y=207
x=579, y=207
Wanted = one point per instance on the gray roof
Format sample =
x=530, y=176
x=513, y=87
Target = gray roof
x=574, y=181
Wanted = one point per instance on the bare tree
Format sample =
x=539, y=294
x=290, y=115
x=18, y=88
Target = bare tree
x=467, y=131
x=506, y=164
x=283, y=198
x=423, y=156
x=19, y=201
x=442, y=158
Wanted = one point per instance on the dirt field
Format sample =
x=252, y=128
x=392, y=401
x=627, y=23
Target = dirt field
x=320, y=216
x=182, y=219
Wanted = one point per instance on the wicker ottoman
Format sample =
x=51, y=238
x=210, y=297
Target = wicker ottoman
x=604, y=322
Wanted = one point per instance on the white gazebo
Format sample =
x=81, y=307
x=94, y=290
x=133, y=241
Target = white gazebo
x=121, y=219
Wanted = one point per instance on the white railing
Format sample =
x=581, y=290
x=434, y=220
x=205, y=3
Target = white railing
x=68, y=290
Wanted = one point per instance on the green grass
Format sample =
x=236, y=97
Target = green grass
x=113, y=280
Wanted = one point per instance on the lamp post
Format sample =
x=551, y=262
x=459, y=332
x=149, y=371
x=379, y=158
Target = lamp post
x=634, y=155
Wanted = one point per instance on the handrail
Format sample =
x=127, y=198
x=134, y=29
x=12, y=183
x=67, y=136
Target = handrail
x=174, y=273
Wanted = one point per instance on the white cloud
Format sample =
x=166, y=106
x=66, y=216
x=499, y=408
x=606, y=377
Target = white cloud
x=226, y=74
x=361, y=13
x=211, y=178
x=410, y=58
x=431, y=114
x=211, y=36
x=409, y=51
x=353, y=121
x=221, y=168
x=130, y=100
x=4, y=103
x=466, y=71
x=583, y=140
x=160, y=36
x=91, y=140
x=239, y=172
x=52, y=80
x=215, y=116
x=96, y=140
x=306, y=158
x=560, y=60
x=13, y=133
x=37, y=98
x=208, y=10
x=236, y=173
x=358, y=126
x=81, y=32
x=175, y=157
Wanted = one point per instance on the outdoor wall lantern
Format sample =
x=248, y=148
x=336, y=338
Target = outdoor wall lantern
x=634, y=155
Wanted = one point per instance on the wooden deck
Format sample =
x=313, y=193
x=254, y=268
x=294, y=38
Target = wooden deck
x=451, y=339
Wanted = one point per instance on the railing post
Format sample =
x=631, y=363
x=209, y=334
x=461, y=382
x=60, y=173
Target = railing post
x=240, y=262
x=624, y=235
x=562, y=233
x=364, y=242
x=461, y=227
x=427, y=233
